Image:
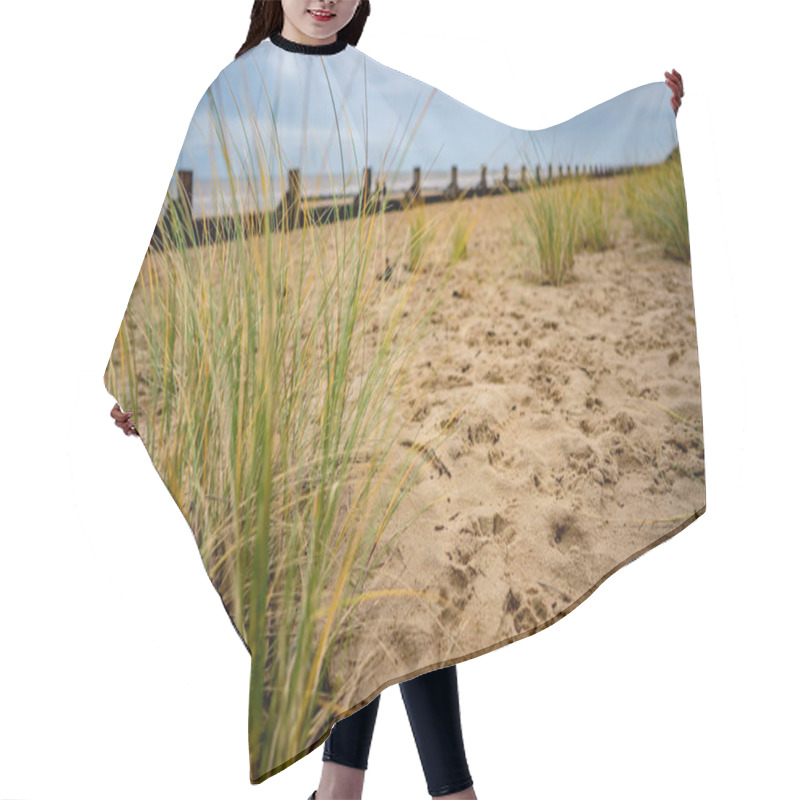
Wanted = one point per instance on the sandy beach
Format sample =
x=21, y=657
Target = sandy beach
x=580, y=446
x=559, y=429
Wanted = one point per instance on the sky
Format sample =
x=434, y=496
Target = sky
x=333, y=116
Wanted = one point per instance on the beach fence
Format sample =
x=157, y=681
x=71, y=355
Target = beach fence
x=294, y=210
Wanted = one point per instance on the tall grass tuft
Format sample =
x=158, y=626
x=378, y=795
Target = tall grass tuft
x=272, y=424
x=460, y=237
x=598, y=208
x=655, y=202
x=421, y=234
x=549, y=227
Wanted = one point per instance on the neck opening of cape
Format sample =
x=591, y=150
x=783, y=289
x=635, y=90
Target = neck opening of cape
x=309, y=49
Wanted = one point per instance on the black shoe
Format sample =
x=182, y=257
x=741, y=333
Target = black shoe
x=313, y=795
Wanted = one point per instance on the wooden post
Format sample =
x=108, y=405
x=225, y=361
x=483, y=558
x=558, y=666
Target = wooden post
x=539, y=174
x=505, y=175
x=367, y=187
x=290, y=208
x=523, y=178
x=549, y=173
x=185, y=180
x=413, y=194
x=362, y=198
x=452, y=190
x=482, y=187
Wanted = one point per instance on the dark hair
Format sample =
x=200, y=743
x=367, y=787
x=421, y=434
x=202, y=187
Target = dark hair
x=266, y=18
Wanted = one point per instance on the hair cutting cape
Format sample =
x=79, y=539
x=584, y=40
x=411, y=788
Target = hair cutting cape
x=419, y=381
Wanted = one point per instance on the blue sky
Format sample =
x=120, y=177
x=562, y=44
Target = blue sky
x=333, y=115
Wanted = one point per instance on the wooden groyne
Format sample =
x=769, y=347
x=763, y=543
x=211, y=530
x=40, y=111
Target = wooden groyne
x=178, y=224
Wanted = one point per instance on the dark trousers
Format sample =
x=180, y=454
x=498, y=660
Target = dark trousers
x=431, y=701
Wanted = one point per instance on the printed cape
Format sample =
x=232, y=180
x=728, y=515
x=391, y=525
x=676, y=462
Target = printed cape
x=418, y=380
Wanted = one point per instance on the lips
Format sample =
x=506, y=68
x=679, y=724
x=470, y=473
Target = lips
x=321, y=15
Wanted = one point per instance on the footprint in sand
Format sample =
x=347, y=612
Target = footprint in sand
x=566, y=532
x=530, y=608
x=459, y=581
x=494, y=530
x=485, y=432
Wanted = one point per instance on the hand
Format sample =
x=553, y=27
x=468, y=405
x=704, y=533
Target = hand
x=123, y=420
x=675, y=82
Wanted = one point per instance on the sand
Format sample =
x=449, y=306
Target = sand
x=578, y=443
x=580, y=446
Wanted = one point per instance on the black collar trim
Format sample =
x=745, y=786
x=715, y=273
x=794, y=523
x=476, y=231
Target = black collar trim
x=310, y=49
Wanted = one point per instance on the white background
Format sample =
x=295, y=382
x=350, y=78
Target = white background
x=121, y=675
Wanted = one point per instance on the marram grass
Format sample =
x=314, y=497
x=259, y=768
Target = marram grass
x=655, y=201
x=245, y=364
x=549, y=220
x=598, y=206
